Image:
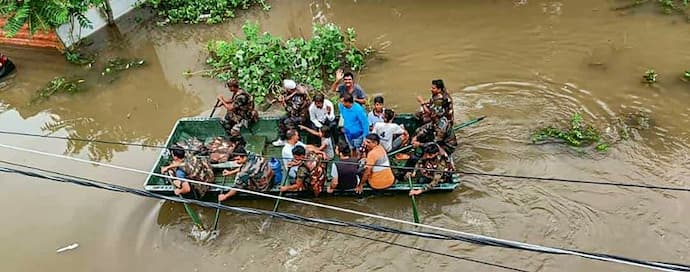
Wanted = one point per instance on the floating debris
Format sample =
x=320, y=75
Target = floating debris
x=70, y=247
x=116, y=65
x=650, y=76
x=59, y=85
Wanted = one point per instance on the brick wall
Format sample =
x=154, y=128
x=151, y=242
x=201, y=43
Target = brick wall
x=23, y=38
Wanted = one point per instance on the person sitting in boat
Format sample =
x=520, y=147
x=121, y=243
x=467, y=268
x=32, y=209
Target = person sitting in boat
x=240, y=107
x=348, y=87
x=377, y=171
x=439, y=98
x=325, y=138
x=310, y=172
x=291, y=142
x=393, y=136
x=376, y=114
x=439, y=130
x=321, y=112
x=189, y=167
x=344, y=172
x=434, y=167
x=296, y=102
x=355, y=123
x=253, y=174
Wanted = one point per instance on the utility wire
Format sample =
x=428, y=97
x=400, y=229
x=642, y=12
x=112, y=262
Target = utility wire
x=456, y=235
x=532, y=178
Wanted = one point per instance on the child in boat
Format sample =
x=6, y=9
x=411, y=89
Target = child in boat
x=326, y=140
x=376, y=114
x=432, y=159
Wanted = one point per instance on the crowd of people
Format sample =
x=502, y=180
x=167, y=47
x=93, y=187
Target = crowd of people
x=358, y=143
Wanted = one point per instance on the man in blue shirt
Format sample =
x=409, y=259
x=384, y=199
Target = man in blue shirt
x=348, y=87
x=355, y=122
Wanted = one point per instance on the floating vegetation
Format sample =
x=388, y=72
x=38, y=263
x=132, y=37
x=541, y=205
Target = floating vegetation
x=577, y=135
x=80, y=58
x=580, y=135
x=200, y=11
x=679, y=7
x=59, y=85
x=115, y=66
x=650, y=77
x=260, y=61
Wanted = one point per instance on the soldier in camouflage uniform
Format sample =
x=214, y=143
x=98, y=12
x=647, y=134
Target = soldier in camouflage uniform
x=311, y=174
x=432, y=159
x=296, y=102
x=439, y=98
x=187, y=166
x=240, y=107
x=255, y=174
x=439, y=130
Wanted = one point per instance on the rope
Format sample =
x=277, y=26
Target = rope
x=604, y=183
x=456, y=235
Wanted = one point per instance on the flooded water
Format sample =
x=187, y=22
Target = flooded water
x=523, y=64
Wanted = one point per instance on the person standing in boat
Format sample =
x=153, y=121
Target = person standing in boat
x=393, y=136
x=253, y=174
x=240, y=107
x=376, y=114
x=310, y=173
x=377, y=170
x=348, y=87
x=344, y=175
x=296, y=102
x=355, y=123
x=439, y=130
x=439, y=98
x=434, y=167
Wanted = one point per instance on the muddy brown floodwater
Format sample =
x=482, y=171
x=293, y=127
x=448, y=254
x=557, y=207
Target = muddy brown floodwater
x=522, y=63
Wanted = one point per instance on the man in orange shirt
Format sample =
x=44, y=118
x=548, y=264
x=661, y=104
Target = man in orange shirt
x=377, y=171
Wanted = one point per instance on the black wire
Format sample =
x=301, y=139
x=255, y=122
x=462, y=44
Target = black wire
x=605, y=183
x=474, y=239
x=411, y=247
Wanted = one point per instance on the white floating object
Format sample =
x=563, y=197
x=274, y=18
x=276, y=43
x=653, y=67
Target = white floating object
x=70, y=247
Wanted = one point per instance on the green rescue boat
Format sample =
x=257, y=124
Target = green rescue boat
x=259, y=137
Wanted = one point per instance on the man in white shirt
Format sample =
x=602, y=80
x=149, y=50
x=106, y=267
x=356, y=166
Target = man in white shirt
x=388, y=131
x=321, y=112
x=292, y=141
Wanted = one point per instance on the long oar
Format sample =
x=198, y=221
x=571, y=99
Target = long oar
x=217, y=217
x=415, y=214
x=455, y=128
x=214, y=108
x=267, y=222
x=196, y=219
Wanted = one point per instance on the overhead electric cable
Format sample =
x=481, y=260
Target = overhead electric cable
x=531, y=178
x=457, y=235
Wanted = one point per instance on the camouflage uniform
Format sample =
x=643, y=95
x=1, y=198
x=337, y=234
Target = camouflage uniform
x=442, y=100
x=242, y=112
x=433, y=178
x=313, y=175
x=198, y=168
x=255, y=174
x=221, y=150
x=297, y=108
x=440, y=132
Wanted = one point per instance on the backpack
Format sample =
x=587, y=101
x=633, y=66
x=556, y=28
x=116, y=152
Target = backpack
x=199, y=169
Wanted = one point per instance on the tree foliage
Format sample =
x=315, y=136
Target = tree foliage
x=260, y=61
x=195, y=11
x=43, y=14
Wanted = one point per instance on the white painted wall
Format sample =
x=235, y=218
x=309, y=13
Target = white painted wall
x=98, y=20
